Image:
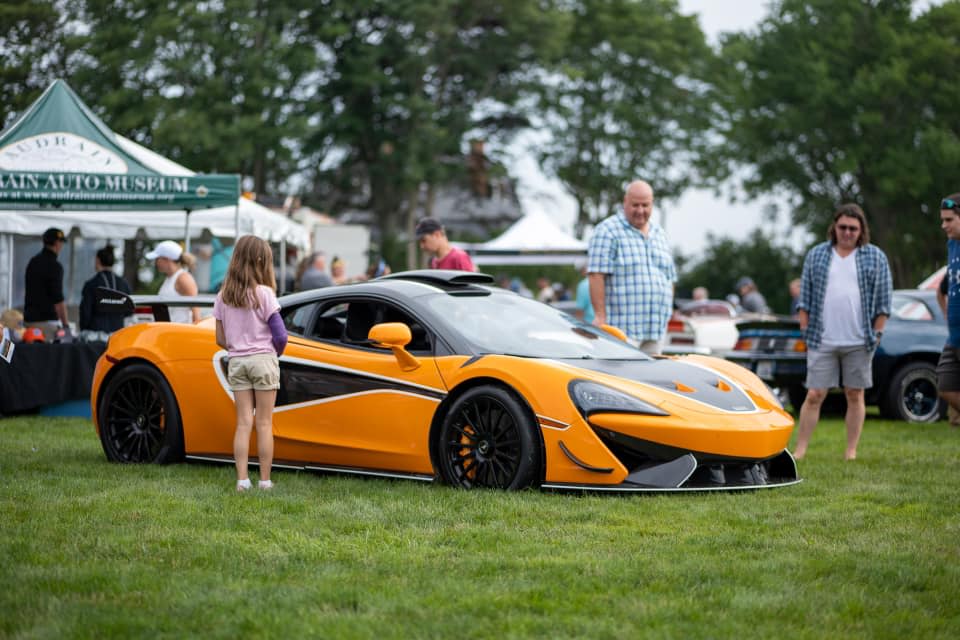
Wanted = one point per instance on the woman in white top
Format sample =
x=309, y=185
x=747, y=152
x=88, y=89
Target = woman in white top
x=173, y=262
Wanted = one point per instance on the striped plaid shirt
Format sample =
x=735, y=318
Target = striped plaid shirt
x=873, y=278
x=640, y=276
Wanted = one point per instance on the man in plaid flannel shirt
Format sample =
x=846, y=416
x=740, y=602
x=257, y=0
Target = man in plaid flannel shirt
x=631, y=271
x=845, y=293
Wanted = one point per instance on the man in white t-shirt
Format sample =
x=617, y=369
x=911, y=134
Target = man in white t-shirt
x=845, y=294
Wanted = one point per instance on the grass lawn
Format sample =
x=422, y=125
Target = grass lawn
x=89, y=549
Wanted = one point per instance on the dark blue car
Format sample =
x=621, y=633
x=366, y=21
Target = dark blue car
x=904, y=367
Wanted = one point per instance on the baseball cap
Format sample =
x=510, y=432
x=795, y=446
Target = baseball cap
x=166, y=249
x=32, y=334
x=427, y=226
x=744, y=282
x=53, y=234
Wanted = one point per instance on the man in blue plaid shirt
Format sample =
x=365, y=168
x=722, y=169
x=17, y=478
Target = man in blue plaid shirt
x=631, y=271
x=844, y=304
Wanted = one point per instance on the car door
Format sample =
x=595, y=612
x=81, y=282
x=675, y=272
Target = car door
x=345, y=402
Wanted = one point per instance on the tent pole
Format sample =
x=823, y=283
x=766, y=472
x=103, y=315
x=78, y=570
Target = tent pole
x=283, y=266
x=73, y=270
x=186, y=231
x=9, y=272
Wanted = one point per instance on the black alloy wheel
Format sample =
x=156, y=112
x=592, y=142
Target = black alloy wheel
x=912, y=394
x=139, y=418
x=488, y=439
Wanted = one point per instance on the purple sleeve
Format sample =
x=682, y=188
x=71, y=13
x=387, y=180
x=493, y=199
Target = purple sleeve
x=278, y=332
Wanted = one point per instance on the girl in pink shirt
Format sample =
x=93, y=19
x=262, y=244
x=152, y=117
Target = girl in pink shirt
x=250, y=328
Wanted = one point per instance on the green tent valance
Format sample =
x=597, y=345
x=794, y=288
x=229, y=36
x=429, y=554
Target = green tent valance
x=33, y=189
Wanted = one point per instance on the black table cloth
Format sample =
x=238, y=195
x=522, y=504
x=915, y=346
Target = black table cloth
x=47, y=374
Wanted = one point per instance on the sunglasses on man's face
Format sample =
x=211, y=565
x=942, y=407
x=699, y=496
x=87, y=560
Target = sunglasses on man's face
x=848, y=228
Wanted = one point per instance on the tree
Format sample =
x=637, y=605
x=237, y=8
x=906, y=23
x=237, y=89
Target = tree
x=218, y=87
x=409, y=83
x=771, y=266
x=850, y=101
x=33, y=52
x=627, y=99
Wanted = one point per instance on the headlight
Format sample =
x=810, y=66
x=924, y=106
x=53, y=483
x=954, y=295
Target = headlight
x=591, y=397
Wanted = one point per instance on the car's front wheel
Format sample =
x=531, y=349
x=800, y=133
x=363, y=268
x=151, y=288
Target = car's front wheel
x=139, y=418
x=912, y=394
x=488, y=439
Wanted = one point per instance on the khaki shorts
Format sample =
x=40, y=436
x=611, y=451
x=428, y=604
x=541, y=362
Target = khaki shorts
x=260, y=372
x=826, y=364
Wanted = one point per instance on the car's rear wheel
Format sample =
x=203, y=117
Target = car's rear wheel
x=488, y=439
x=139, y=418
x=912, y=394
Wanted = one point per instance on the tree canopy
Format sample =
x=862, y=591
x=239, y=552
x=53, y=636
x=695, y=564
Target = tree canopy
x=370, y=104
x=761, y=257
x=837, y=101
x=626, y=99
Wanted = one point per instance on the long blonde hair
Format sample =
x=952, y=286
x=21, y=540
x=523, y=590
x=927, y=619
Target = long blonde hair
x=187, y=260
x=250, y=265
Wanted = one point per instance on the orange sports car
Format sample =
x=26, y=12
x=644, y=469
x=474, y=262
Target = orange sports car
x=438, y=375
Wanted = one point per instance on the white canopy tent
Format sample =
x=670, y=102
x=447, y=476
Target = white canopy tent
x=247, y=217
x=533, y=239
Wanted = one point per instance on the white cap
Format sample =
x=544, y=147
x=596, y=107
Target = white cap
x=166, y=249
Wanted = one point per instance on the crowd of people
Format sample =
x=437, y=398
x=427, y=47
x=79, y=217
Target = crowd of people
x=842, y=301
x=45, y=319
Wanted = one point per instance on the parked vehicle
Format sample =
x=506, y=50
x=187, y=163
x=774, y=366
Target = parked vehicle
x=439, y=375
x=707, y=327
x=904, y=367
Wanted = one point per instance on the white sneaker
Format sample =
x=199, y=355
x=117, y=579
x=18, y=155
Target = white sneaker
x=244, y=485
x=265, y=484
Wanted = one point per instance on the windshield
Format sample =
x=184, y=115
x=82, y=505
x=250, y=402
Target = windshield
x=510, y=324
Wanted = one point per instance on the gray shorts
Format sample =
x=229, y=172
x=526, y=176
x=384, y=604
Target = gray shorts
x=260, y=372
x=826, y=365
x=948, y=370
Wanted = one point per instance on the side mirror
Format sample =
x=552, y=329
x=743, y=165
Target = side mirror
x=395, y=336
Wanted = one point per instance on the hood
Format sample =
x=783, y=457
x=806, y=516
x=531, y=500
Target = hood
x=685, y=379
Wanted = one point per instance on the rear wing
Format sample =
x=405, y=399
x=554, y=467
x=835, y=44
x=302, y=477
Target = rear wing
x=146, y=308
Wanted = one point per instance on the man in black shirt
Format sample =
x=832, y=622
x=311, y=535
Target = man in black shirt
x=44, y=305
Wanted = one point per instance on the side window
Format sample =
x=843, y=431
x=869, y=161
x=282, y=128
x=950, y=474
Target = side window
x=349, y=323
x=330, y=321
x=906, y=308
x=360, y=317
x=298, y=320
x=420, y=340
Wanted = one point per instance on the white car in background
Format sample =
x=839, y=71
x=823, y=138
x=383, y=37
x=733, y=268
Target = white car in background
x=933, y=280
x=707, y=327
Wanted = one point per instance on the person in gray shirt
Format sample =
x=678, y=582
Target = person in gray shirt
x=316, y=275
x=750, y=298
